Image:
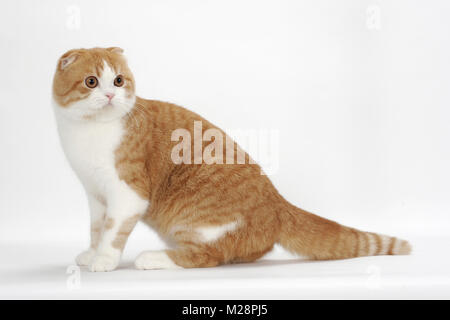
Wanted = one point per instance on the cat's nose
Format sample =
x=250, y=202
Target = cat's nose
x=109, y=95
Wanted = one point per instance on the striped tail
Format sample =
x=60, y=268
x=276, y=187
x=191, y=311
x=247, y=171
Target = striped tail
x=317, y=238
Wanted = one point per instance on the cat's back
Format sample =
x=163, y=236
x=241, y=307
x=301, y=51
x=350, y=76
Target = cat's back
x=167, y=116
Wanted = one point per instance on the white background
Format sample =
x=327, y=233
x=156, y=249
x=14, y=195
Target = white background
x=358, y=91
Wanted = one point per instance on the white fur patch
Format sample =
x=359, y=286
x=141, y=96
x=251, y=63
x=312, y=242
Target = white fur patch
x=89, y=147
x=211, y=234
x=151, y=260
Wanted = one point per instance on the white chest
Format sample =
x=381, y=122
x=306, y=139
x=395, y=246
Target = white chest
x=90, y=149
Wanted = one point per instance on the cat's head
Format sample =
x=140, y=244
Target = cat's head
x=93, y=84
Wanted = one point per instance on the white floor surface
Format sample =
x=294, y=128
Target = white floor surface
x=47, y=271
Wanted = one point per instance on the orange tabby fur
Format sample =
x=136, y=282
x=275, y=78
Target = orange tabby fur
x=186, y=197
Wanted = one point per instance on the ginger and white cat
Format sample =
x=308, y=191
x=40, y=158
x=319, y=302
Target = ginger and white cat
x=120, y=147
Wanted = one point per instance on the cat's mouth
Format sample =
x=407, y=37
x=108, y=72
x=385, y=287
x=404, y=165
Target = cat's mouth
x=108, y=105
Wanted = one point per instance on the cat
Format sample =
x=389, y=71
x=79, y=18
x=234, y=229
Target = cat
x=120, y=146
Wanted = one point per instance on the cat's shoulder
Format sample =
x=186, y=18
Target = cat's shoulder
x=167, y=111
x=161, y=106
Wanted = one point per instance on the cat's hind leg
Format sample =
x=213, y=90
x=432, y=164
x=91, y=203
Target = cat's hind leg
x=183, y=257
x=152, y=260
x=196, y=247
x=190, y=250
x=211, y=244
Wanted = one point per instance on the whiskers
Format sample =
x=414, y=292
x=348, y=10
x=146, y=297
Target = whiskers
x=130, y=114
x=98, y=109
x=140, y=109
x=99, y=103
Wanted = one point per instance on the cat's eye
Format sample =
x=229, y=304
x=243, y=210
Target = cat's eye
x=91, y=82
x=118, y=81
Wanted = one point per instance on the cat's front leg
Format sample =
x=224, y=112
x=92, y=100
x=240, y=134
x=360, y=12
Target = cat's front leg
x=123, y=211
x=97, y=215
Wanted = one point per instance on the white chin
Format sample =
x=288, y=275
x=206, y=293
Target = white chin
x=109, y=113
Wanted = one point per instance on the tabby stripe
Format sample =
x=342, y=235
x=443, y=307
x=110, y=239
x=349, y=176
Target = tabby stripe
x=391, y=247
x=379, y=244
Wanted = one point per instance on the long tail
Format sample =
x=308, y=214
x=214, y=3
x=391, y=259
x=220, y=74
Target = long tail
x=317, y=238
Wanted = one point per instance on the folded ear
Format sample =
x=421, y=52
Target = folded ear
x=67, y=59
x=115, y=50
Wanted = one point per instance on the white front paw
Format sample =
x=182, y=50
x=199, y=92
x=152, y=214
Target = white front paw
x=85, y=258
x=103, y=264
